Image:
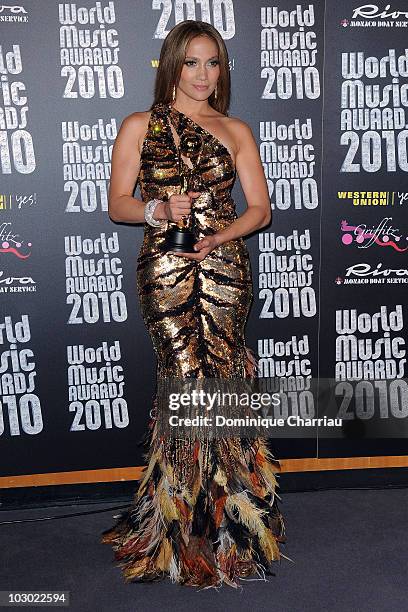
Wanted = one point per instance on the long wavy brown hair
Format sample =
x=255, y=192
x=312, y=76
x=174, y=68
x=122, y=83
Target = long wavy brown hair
x=172, y=56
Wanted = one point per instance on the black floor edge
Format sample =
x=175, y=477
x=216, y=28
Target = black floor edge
x=111, y=492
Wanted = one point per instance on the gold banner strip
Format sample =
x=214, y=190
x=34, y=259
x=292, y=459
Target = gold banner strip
x=134, y=473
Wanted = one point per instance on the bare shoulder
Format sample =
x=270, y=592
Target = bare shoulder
x=137, y=120
x=240, y=131
x=237, y=124
x=135, y=126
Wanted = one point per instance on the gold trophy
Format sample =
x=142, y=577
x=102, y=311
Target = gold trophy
x=181, y=237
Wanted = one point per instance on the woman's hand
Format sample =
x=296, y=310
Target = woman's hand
x=179, y=205
x=203, y=248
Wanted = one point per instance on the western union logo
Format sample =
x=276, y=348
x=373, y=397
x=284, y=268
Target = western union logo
x=367, y=198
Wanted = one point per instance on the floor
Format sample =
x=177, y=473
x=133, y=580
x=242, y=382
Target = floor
x=348, y=547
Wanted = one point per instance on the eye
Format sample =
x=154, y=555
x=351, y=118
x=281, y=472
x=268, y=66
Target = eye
x=193, y=62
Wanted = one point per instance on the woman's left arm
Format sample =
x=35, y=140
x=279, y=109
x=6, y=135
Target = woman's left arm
x=252, y=178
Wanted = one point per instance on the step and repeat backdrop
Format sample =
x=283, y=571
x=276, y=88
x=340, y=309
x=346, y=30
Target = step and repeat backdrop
x=324, y=87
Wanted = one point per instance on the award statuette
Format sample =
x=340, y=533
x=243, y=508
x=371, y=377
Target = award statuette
x=181, y=237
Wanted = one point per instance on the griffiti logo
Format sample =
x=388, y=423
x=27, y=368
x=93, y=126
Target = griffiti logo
x=384, y=234
x=12, y=243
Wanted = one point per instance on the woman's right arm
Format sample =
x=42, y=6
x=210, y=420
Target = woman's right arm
x=122, y=206
x=125, y=168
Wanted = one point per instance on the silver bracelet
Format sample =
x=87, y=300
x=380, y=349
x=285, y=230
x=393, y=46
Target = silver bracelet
x=148, y=213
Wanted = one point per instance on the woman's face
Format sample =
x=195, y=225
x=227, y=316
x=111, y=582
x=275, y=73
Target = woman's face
x=201, y=68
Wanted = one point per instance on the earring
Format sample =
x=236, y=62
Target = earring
x=215, y=93
x=174, y=92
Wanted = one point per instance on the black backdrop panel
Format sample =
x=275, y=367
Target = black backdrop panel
x=324, y=91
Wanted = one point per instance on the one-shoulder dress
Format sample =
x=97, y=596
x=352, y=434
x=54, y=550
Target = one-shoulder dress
x=204, y=512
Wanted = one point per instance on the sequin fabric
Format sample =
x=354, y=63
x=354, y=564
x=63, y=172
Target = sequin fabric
x=205, y=512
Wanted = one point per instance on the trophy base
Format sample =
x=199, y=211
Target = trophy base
x=179, y=240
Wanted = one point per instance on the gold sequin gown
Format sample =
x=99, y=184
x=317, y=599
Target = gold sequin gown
x=203, y=513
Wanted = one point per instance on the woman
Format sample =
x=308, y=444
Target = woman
x=205, y=512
